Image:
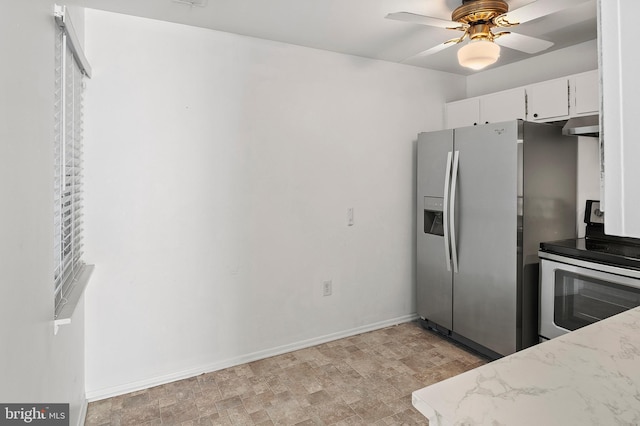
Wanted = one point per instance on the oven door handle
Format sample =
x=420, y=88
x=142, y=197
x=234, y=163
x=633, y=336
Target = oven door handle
x=621, y=275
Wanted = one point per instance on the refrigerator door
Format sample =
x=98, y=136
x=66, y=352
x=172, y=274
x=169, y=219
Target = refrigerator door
x=486, y=228
x=434, y=280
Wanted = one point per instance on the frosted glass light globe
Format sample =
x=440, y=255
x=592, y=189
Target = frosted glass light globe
x=478, y=54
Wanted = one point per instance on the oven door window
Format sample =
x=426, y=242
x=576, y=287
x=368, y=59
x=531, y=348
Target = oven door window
x=582, y=300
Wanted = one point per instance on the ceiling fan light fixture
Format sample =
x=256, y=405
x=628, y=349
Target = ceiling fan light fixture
x=478, y=54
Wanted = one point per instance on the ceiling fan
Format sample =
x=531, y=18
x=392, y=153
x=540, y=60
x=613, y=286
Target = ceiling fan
x=477, y=19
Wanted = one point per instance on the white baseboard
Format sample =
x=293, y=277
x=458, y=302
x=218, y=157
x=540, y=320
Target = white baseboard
x=82, y=416
x=98, y=394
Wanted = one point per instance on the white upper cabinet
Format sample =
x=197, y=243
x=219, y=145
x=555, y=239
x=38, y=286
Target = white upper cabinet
x=552, y=100
x=548, y=101
x=493, y=108
x=503, y=106
x=620, y=68
x=462, y=113
x=585, y=94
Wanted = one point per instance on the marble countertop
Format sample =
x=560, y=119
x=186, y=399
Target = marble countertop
x=588, y=377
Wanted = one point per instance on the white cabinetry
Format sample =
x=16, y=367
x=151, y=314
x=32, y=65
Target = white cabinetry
x=620, y=67
x=503, y=106
x=493, y=108
x=548, y=101
x=585, y=94
x=552, y=100
x=462, y=113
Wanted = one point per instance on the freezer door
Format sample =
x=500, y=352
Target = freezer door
x=486, y=227
x=434, y=280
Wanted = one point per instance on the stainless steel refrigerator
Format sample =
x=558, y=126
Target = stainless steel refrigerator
x=486, y=197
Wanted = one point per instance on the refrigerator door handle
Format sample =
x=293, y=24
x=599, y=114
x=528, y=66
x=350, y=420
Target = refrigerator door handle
x=445, y=211
x=452, y=211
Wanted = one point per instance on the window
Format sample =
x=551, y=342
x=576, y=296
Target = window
x=70, y=274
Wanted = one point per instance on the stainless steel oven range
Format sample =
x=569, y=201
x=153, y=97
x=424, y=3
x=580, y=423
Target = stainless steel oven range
x=587, y=279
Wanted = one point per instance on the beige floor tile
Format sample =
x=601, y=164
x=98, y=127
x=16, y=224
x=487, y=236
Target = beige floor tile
x=138, y=414
x=360, y=380
x=371, y=410
x=180, y=412
x=332, y=412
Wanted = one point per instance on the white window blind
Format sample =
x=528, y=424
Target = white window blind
x=68, y=165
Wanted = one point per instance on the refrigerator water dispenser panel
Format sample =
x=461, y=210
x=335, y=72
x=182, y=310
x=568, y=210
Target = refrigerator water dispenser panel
x=433, y=223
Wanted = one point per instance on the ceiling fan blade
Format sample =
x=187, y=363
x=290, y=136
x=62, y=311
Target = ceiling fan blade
x=421, y=19
x=538, y=9
x=523, y=43
x=435, y=49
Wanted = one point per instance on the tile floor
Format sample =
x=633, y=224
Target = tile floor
x=361, y=380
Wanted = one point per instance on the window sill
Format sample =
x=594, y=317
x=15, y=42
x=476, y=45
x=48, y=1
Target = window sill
x=63, y=317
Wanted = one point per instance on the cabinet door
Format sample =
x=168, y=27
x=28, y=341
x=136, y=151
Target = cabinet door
x=462, y=113
x=548, y=101
x=503, y=106
x=620, y=112
x=586, y=94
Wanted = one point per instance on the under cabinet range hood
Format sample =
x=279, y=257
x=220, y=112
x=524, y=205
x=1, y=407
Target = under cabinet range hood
x=589, y=125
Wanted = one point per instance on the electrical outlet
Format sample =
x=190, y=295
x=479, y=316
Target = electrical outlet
x=350, y=216
x=326, y=288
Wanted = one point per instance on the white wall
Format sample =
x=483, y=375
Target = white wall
x=588, y=176
x=559, y=63
x=219, y=174
x=35, y=365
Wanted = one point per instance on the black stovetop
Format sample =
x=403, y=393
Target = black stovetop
x=597, y=246
x=623, y=252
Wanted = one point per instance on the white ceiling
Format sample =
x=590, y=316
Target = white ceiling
x=356, y=27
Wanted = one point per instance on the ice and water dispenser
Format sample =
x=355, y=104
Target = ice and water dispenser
x=433, y=216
